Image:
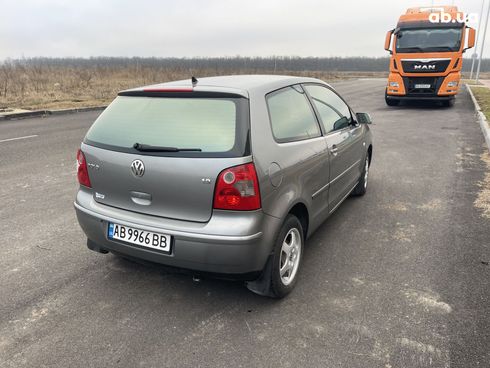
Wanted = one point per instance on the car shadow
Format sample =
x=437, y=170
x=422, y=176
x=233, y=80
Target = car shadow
x=195, y=285
x=180, y=284
x=144, y=279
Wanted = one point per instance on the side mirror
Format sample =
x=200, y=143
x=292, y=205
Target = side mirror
x=388, y=41
x=363, y=118
x=471, y=38
x=342, y=123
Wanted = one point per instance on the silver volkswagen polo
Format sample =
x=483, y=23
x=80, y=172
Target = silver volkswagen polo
x=225, y=175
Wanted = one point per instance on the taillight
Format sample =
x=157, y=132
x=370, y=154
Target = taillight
x=237, y=189
x=82, y=171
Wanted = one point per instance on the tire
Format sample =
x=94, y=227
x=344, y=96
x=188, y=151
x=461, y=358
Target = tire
x=272, y=283
x=448, y=103
x=361, y=187
x=391, y=101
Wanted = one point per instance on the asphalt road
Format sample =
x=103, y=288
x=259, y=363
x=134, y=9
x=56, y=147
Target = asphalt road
x=397, y=278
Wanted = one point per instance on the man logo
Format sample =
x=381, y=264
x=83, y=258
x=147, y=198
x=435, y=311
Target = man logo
x=138, y=168
x=424, y=67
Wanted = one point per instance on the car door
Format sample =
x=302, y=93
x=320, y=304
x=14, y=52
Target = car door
x=342, y=136
x=359, y=145
x=299, y=150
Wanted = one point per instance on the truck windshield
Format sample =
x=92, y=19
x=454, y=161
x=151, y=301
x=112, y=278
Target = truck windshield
x=428, y=40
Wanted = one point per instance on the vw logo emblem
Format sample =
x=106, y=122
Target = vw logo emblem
x=138, y=168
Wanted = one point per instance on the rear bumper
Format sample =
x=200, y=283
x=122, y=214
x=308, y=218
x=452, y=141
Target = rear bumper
x=229, y=243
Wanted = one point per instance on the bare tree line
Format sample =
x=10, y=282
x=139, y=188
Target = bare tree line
x=39, y=81
x=290, y=63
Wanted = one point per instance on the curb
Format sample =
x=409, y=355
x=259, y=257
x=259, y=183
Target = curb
x=481, y=118
x=47, y=113
x=24, y=115
x=75, y=110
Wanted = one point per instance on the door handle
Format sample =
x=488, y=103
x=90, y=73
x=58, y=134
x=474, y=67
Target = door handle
x=334, y=150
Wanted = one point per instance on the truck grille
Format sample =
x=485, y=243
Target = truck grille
x=422, y=86
x=430, y=66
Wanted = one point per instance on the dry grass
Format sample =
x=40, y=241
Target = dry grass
x=65, y=83
x=482, y=95
x=471, y=82
x=34, y=87
x=466, y=77
x=483, y=200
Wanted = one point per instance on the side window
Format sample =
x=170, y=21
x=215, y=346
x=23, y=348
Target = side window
x=334, y=113
x=291, y=115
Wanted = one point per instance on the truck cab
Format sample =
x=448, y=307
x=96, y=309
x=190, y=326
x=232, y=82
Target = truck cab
x=426, y=50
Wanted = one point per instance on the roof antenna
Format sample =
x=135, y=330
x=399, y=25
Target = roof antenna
x=194, y=81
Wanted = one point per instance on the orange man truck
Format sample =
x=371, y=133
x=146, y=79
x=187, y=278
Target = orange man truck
x=427, y=48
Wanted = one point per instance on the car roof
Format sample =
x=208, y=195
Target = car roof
x=245, y=85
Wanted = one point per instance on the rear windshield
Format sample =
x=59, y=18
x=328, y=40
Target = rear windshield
x=216, y=126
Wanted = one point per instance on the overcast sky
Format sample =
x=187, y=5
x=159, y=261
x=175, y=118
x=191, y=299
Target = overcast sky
x=189, y=28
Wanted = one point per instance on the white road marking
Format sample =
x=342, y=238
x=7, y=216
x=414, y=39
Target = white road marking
x=17, y=138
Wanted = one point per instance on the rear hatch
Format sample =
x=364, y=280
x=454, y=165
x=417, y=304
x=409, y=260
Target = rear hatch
x=160, y=153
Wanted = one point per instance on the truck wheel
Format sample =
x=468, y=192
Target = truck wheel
x=448, y=103
x=392, y=102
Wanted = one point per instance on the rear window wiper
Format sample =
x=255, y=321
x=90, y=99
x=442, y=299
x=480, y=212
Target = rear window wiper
x=147, y=148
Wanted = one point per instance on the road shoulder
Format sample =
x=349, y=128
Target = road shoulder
x=485, y=127
x=46, y=113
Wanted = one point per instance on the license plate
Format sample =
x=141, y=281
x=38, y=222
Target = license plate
x=143, y=238
x=421, y=86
